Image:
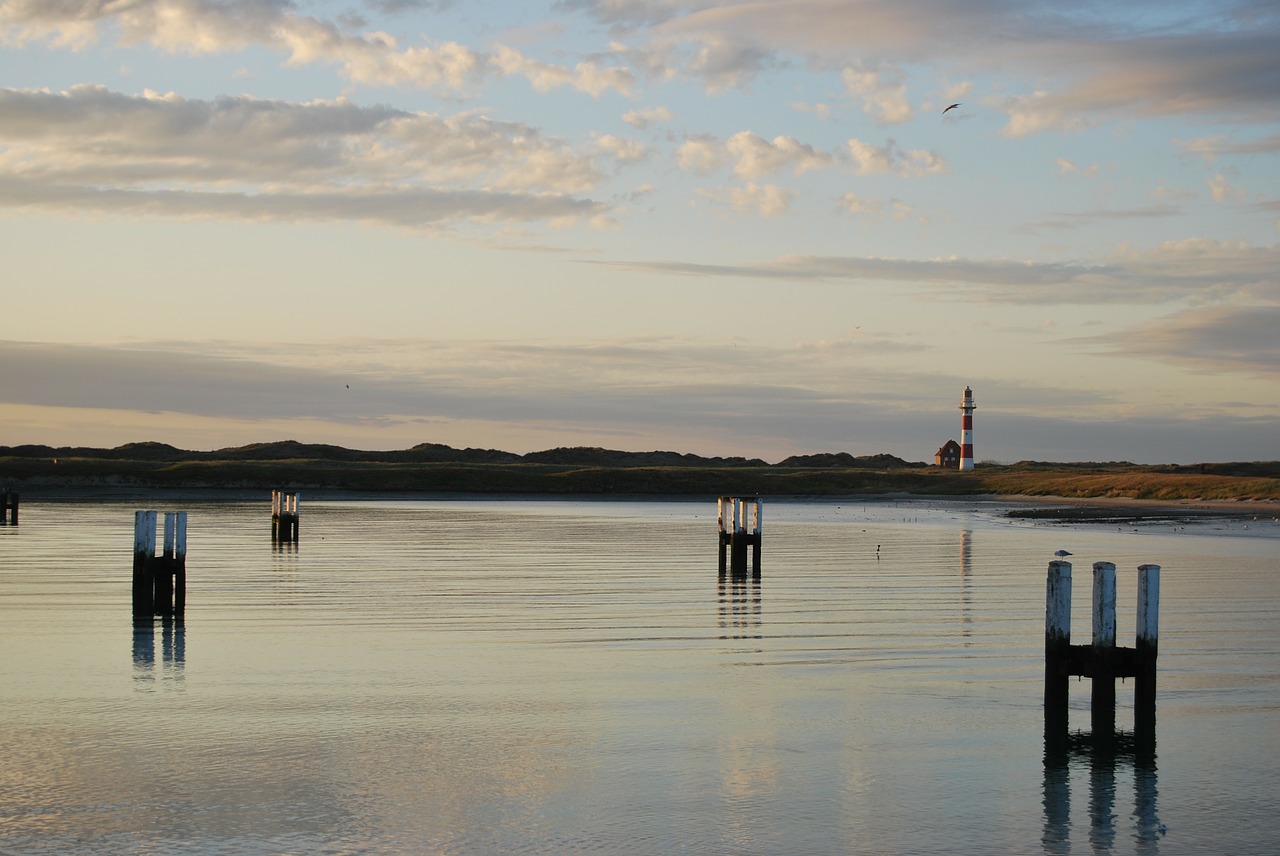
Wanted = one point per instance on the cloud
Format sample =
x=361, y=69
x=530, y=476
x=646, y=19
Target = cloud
x=1066, y=167
x=752, y=157
x=755, y=157
x=1210, y=338
x=674, y=387
x=870, y=159
x=622, y=150
x=93, y=149
x=1220, y=146
x=879, y=209
x=1076, y=219
x=701, y=154
x=641, y=393
x=884, y=96
x=648, y=117
x=767, y=200
x=1222, y=190
x=728, y=63
x=586, y=77
x=822, y=111
x=763, y=200
x=1196, y=269
x=227, y=26
x=1090, y=62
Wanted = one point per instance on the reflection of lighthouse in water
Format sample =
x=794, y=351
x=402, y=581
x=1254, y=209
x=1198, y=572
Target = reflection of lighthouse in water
x=966, y=599
x=966, y=430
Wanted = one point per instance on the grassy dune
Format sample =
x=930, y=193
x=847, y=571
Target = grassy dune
x=433, y=468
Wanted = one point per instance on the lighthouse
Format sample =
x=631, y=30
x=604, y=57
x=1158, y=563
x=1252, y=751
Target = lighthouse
x=966, y=430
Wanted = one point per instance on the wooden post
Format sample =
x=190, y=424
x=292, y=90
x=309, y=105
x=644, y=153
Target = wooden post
x=1057, y=647
x=738, y=546
x=1103, y=698
x=144, y=553
x=1148, y=646
x=8, y=508
x=161, y=572
x=720, y=539
x=755, y=538
x=180, y=565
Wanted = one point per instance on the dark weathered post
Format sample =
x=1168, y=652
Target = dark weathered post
x=180, y=565
x=1057, y=646
x=144, y=554
x=723, y=535
x=1103, y=697
x=1147, y=647
x=738, y=544
x=161, y=569
x=8, y=508
x=171, y=568
x=757, y=524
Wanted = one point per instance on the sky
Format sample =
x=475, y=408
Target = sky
x=724, y=228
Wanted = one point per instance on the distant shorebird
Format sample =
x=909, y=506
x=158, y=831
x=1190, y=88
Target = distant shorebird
x=952, y=107
x=1061, y=554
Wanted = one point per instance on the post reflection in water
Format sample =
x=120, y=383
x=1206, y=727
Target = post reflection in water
x=173, y=647
x=1102, y=756
x=740, y=606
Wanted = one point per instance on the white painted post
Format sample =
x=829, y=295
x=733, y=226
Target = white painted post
x=1057, y=617
x=1104, y=605
x=1148, y=605
x=1102, y=699
x=1057, y=648
x=1148, y=646
x=180, y=541
x=180, y=563
x=757, y=539
x=722, y=537
x=144, y=534
x=144, y=553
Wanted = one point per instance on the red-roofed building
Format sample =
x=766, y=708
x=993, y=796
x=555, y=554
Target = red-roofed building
x=948, y=456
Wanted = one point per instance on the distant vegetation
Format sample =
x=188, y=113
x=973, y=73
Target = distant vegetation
x=432, y=467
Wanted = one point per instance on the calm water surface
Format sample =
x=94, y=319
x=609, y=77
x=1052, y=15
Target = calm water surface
x=564, y=677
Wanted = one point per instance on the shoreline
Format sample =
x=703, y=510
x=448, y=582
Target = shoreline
x=1027, y=507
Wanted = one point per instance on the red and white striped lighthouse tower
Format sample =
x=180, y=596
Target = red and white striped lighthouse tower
x=966, y=430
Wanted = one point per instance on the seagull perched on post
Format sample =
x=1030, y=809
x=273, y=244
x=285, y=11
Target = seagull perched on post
x=952, y=107
x=1061, y=554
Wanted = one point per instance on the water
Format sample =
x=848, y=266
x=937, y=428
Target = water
x=568, y=676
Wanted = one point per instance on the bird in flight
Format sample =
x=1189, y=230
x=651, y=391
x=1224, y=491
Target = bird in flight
x=952, y=107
